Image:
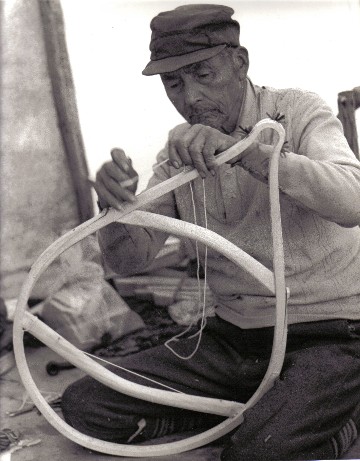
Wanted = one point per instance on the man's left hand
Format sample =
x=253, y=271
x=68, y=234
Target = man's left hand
x=197, y=145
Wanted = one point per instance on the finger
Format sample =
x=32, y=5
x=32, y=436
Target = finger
x=132, y=172
x=120, y=159
x=123, y=162
x=209, y=152
x=181, y=146
x=114, y=187
x=106, y=199
x=179, y=154
x=121, y=193
x=130, y=182
x=189, y=139
x=112, y=170
x=177, y=151
x=201, y=149
x=174, y=157
x=196, y=152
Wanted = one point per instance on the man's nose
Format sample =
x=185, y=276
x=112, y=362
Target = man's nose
x=192, y=93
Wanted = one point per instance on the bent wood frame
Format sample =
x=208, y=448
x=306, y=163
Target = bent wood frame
x=273, y=282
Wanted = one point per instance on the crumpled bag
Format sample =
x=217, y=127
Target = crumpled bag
x=86, y=306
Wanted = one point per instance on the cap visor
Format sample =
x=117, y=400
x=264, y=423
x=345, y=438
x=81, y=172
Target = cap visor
x=176, y=62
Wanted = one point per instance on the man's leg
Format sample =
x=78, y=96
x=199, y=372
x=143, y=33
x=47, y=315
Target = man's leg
x=311, y=413
x=216, y=370
x=306, y=415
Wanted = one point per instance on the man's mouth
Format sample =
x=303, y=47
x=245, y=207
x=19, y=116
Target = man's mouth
x=204, y=115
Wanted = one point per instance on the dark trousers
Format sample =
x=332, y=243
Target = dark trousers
x=308, y=414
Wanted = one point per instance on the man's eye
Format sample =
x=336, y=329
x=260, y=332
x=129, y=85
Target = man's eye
x=204, y=75
x=173, y=84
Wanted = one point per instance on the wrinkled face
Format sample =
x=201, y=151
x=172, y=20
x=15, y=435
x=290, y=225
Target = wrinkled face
x=208, y=92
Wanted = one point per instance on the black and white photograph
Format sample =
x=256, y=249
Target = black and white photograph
x=179, y=230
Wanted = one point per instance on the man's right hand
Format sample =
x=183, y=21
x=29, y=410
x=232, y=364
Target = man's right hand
x=116, y=181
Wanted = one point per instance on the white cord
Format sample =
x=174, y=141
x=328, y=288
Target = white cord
x=201, y=302
x=132, y=372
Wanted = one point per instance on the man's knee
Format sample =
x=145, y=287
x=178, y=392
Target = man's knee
x=91, y=408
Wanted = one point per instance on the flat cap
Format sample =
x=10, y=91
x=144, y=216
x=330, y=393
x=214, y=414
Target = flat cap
x=189, y=34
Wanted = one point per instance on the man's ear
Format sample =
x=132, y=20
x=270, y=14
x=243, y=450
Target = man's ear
x=242, y=61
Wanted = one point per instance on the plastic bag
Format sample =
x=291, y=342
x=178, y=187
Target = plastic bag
x=86, y=306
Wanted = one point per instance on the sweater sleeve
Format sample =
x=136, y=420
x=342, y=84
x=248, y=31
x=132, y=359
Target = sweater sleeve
x=321, y=173
x=324, y=174
x=128, y=249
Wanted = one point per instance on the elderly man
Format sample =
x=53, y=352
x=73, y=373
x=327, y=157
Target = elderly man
x=312, y=411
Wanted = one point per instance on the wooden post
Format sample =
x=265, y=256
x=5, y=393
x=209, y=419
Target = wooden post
x=348, y=102
x=65, y=102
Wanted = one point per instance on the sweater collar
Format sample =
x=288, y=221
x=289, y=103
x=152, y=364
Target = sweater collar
x=249, y=111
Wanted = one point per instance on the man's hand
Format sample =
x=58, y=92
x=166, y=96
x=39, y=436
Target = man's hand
x=116, y=181
x=197, y=145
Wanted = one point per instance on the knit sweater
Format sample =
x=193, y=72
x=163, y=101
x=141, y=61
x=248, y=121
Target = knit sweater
x=319, y=180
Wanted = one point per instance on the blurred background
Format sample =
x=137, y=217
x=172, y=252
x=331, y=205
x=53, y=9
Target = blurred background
x=71, y=89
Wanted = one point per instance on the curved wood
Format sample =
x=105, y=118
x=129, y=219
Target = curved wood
x=79, y=359
x=23, y=321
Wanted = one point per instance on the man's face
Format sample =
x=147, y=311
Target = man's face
x=207, y=92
